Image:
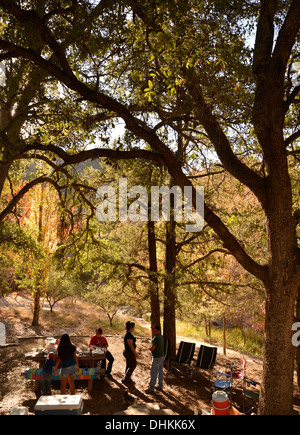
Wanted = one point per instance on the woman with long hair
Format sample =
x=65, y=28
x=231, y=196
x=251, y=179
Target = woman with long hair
x=66, y=356
x=130, y=353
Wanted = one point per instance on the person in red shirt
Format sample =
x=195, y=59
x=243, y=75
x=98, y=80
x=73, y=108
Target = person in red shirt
x=99, y=340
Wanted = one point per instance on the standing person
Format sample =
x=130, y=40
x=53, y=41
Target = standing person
x=129, y=353
x=66, y=356
x=158, y=358
x=99, y=340
x=47, y=374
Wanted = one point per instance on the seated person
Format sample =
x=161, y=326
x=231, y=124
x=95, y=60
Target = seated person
x=99, y=340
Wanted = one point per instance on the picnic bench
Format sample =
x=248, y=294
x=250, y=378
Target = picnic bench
x=83, y=374
x=87, y=370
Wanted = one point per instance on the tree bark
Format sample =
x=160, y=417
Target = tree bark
x=224, y=334
x=154, y=288
x=281, y=291
x=278, y=370
x=269, y=67
x=36, y=309
x=170, y=287
x=281, y=275
x=298, y=348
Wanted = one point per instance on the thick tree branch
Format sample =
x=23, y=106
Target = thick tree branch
x=72, y=159
x=292, y=139
x=149, y=136
x=221, y=143
x=264, y=36
x=286, y=39
x=231, y=244
x=214, y=251
x=16, y=199
x=292, y=98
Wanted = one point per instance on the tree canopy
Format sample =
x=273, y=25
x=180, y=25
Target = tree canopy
x=193, y=91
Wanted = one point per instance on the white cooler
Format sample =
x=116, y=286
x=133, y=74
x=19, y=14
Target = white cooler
x=59, y=405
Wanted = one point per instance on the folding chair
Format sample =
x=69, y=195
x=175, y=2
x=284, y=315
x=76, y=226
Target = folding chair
x=238, y=372
x=206, y=358
x=185, y=354
x=223, y=382
x=251, y=395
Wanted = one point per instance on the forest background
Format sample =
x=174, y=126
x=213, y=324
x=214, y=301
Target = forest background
x=210, y=285
x=200, y=104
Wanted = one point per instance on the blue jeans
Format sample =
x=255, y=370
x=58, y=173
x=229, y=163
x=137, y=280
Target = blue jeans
x=110, y=359
x=157, y=371
x=46, y=383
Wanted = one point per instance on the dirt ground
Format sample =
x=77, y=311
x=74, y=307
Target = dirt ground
x=182, y=394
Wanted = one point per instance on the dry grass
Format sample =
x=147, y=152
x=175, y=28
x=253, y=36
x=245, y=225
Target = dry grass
x=74, y=317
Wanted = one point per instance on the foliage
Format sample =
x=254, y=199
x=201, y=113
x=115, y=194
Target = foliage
x=190, y=90
x=248, y=341
x=61, y=286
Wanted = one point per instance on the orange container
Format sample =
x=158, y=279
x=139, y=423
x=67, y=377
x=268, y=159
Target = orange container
x=220, y=402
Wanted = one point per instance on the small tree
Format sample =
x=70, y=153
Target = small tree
x=60, y=286
x=105, y=296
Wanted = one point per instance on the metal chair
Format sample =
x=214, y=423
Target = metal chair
x=251, y=393
x=206, y=359
x=185, y=354
x=223, y=382
x=238, y=372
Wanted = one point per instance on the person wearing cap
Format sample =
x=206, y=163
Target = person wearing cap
x=158, y=358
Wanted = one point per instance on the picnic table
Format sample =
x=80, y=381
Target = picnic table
x=85, y=360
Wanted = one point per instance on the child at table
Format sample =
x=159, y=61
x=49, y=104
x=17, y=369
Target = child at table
x=47, y=374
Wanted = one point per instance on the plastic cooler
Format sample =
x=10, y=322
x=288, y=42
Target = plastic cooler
x=59, y=405
x=220, y=403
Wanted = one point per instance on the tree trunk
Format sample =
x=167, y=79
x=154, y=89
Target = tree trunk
x=278, y=371
x=154, y=290
x=207, y=322
x=298, y=348
x=283, y=274
x=38, y=279
x=224, y=334
x=170, y=287
x=36, y=309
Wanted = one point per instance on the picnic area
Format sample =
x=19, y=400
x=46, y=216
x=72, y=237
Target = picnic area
x=149, y=166
x=182, y=394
